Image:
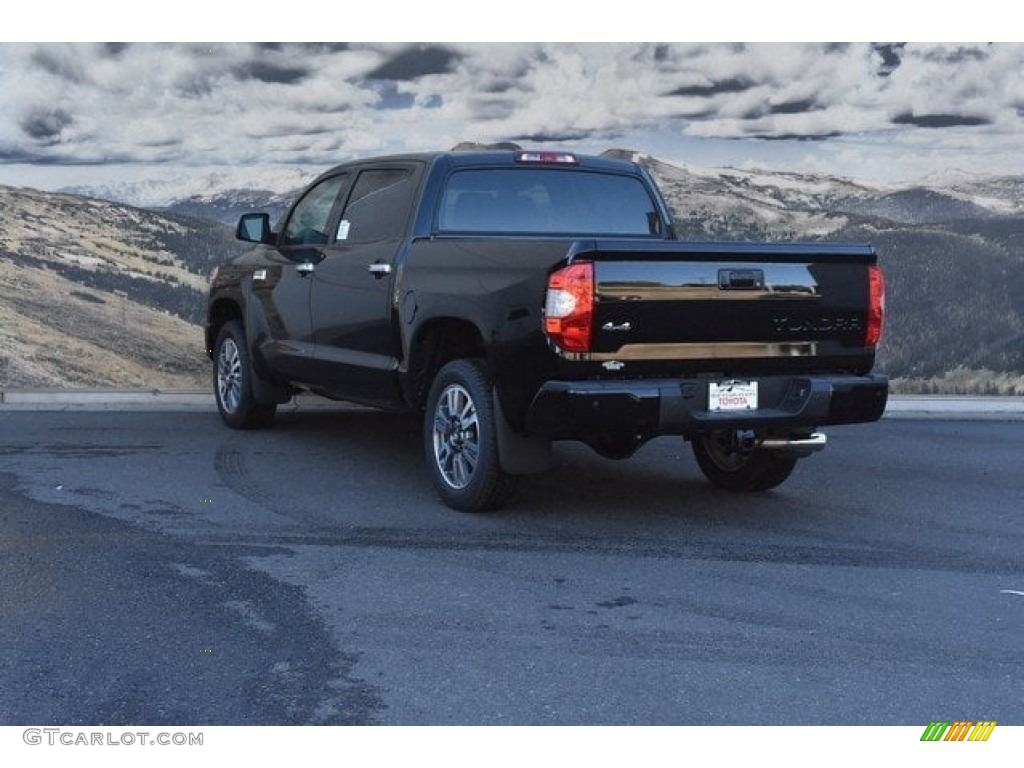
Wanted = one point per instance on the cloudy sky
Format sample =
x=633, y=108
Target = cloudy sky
x=76, y=112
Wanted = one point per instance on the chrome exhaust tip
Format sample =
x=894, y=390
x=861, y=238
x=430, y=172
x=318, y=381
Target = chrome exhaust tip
x=798, y=447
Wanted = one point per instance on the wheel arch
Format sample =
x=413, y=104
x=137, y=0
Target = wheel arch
x=435, y=343
x=265, y=388
x=221, y=312
x=438, y=342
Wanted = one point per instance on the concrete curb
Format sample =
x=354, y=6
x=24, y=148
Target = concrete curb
x=954, y=407
x=136, y=400
x=900, y=406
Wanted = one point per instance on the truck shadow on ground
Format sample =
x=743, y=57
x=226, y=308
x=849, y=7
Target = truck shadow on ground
x=660, y=482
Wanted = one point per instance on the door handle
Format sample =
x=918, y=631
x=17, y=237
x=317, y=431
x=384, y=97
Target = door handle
x=741, y=279
x=378, y=269
x=305, y=269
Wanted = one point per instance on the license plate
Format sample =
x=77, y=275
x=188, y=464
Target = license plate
x=733, y=396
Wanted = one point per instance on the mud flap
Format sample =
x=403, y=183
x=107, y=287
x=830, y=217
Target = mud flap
x=519, y=455
x=266, y=393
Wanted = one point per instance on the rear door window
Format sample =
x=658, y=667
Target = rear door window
x=378, y=207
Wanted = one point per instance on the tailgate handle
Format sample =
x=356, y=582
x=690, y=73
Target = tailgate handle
x=741, y=279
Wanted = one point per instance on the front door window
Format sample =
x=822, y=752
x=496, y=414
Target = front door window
x=307, y=224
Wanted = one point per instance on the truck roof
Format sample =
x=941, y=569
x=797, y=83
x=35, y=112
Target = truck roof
x=492, y=157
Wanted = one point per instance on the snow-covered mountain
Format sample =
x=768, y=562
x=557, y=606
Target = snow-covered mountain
x=1001, y=195
x=717, y=203
x=731, y=203
x=199, y=185
x=226, y=207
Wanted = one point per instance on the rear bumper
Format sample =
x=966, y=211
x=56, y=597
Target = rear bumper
x=576, y=409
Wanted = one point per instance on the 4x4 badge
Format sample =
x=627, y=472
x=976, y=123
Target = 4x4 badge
x=610, y=326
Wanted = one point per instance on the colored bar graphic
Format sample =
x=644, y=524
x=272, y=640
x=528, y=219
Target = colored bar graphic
x=935, y=730
x=958, y=730
x=982, y=730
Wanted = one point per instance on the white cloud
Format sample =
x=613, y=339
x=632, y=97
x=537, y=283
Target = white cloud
x=235, y=103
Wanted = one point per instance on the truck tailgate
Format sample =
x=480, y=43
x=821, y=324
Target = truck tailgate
x=701, y=304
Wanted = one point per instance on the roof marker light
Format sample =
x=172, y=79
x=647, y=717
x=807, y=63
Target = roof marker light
x=567, y=158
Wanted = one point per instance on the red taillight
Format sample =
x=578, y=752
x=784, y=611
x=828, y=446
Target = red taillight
x=876, y=306
x=569, y=307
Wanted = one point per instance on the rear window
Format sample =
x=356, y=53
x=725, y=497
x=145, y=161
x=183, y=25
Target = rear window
x=547, y=201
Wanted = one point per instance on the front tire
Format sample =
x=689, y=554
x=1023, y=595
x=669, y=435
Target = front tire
x=232, y=381
x=460, y=439
x=734, y=470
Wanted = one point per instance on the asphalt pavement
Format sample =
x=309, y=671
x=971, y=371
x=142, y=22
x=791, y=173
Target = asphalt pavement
x=160, y=568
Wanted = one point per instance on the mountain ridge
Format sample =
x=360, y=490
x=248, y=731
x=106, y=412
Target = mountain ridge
x=952, y=256
x=94, y=293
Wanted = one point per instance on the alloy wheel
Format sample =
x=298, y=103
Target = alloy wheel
x=229, y=376
x=456, y=436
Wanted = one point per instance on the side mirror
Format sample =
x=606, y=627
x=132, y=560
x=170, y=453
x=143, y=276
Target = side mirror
x=255, y=228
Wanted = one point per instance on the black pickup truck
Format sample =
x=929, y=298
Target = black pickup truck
x=517, y=298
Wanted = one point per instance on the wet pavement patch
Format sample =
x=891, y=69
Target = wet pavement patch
x=105, y=623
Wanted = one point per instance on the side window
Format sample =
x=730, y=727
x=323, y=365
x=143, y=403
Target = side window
x=307, y=224
x=378, y=207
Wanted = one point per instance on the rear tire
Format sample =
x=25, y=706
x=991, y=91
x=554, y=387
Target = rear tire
x=733, y=470
x=460, y=439
x=232, y=381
